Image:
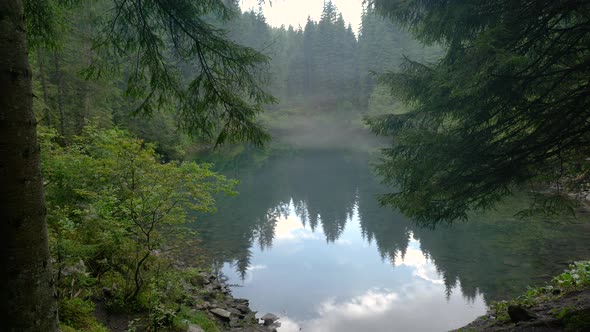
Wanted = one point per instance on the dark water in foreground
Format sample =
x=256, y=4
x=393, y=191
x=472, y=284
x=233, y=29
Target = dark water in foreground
x=306, y=240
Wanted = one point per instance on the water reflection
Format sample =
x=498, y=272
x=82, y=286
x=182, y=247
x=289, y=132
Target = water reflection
x=415, y=307
x=309, y=242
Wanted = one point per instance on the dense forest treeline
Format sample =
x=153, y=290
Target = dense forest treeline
x=321, y=70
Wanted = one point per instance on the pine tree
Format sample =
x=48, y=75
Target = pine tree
x=506, y=106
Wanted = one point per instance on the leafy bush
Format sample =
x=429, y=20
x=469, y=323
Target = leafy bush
x=115, y=215
x=77, y=314
x=577, y=276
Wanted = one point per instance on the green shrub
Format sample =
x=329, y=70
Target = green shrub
x=77, y=314
x=186, y=316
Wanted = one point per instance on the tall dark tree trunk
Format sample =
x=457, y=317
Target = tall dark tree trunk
x=60, y=95
x=85, y=116
x=26, y=289
x=40, y=60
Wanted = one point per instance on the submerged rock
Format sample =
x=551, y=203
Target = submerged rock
x=269, y=319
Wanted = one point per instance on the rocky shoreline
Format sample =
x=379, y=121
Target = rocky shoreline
x=570, y=312
x=231, y=314
x=205, y=294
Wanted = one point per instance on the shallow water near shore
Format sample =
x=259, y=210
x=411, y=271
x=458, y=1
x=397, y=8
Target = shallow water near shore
x=307, y=240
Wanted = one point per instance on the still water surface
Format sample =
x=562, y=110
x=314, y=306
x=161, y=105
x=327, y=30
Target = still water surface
x=306, y=239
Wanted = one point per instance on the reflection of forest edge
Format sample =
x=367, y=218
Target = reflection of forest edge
x=494, y=254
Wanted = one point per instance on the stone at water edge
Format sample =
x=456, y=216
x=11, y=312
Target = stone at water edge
x=234, y=322
x=236, y=312
x=221, y=313
x=269, y=319
x=519, y=313
x=243, y=308
x=194, y=328
x=203, y=305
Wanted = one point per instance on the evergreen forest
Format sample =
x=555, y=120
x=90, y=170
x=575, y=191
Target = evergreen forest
x=121, y=122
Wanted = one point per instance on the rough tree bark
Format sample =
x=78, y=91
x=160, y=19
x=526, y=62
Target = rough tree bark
x=26, y=290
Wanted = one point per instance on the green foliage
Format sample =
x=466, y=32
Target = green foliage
x=383, y=45
x=199, y=318
x=222, y=94
x=45, y=21
x=160, y=56
x=504, y=107
x=76, y=314
x=577, y=276
x=115, y=212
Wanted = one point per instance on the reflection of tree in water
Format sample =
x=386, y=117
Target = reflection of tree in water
x=321, y=186
x=388, y=229
x=494, y=255
x=498, y=255
x=325, y=185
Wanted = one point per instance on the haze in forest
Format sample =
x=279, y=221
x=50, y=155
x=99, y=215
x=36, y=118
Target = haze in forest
x=323, y=71
x=296, y=12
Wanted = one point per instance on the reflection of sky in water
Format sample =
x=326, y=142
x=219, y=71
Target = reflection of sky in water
x=346, y=286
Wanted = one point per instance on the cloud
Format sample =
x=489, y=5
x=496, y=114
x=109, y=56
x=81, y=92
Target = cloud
x=414, y=307
x=344, y=242
x=372, y=303
x=256, y=267
x=421, y=266
x=291, y=228
x=250, y=272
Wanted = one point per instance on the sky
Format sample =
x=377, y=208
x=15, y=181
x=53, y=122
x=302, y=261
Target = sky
x=295, y=12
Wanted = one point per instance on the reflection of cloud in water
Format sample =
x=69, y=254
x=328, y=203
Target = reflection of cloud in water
x=344, y=242
x=291, y=228
x=421, y=265
x=417, y=306
x=370, y=304
x=249, y=276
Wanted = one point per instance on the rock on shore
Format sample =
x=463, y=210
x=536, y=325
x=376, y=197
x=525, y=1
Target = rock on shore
x=233, y=315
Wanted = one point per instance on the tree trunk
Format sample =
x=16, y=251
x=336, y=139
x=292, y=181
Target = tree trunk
x=85, y=117
x=27, y=296
x=60, y=102
x=44, y=87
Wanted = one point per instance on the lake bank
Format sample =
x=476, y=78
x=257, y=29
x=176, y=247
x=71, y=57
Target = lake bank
x=562, y=305
x=207, y=306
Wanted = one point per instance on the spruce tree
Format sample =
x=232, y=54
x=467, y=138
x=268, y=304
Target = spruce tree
x=506, y=106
